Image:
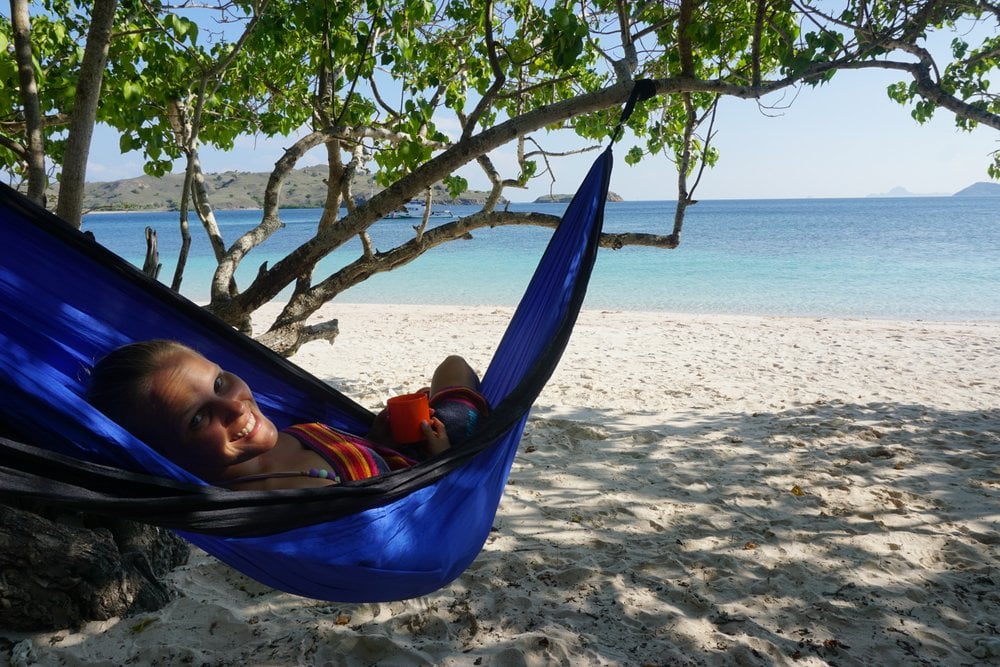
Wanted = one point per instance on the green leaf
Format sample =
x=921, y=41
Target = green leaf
x=456, y=185
x=634, y=155
x=129, y=90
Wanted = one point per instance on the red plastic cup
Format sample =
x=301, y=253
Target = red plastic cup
x=406, y=413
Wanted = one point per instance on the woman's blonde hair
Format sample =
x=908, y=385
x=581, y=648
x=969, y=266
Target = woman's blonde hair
x=120, y=380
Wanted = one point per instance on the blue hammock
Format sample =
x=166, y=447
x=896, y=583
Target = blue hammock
x=66, y=301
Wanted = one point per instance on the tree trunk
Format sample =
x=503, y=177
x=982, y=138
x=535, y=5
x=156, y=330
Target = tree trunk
x=81, y=126
x=37, y=180
x=61, y=573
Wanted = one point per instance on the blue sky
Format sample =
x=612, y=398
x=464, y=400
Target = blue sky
x=844, y=139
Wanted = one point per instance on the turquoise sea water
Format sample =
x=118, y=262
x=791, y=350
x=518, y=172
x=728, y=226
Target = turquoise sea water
x=932, y=258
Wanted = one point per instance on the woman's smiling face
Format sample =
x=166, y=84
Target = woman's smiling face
x=201, y=417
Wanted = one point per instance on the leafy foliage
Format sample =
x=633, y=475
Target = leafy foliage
x=385, y=83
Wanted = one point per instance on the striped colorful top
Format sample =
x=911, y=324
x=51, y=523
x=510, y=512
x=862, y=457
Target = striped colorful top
x=350, y=457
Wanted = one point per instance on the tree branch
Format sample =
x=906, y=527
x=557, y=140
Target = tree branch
x=758, y=29
x=367, y=266
x=684, y=47
x=498, y=76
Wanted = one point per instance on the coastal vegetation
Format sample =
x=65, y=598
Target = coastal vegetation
x=411, y=91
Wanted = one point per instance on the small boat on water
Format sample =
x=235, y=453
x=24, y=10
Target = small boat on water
x=411, y=211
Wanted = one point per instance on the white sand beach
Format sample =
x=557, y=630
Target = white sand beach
x=690, y=490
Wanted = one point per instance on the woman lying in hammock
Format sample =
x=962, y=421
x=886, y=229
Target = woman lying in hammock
x=207, y=421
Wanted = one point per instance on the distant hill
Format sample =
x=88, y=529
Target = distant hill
x=564, y=199
x=981, y=189
x=900, y=191
x=304, y=188
x=897, y=191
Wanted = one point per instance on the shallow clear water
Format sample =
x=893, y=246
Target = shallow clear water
x=905, y=258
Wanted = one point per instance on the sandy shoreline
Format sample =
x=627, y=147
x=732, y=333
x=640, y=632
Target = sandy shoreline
x=691, y=489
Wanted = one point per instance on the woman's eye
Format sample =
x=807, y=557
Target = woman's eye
x=220, y=382
x=197, y=420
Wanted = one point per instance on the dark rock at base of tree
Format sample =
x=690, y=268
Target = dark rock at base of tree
x=62, y=572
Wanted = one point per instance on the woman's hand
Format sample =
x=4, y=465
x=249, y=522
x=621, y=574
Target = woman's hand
x=436, y=435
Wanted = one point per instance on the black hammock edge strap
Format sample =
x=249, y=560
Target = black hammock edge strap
x=642, y=90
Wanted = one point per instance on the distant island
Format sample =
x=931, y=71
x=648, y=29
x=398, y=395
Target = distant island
x=980, y=189
x=565, y=199
x=900, y=191
x=304, y=188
